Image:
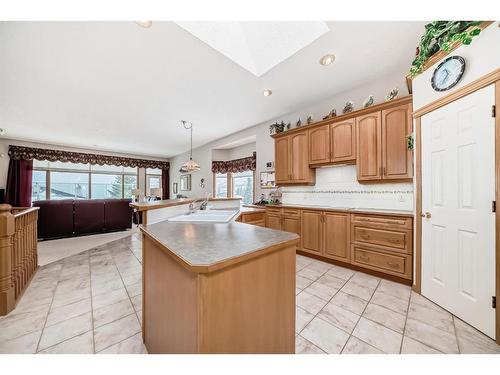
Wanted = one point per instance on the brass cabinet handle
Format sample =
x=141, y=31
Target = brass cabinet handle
x=365, y=258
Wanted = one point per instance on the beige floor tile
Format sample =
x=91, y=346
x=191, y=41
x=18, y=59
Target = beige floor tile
x=303, y=346
x=358, y=290
x=16, y=325
x=310, y=303
x=59, y=314
x=357, y=346
x=132, y=345
x=365, y=280
x=115, y=332
x=110, y=313
x=109, y=298
x=302, y=318
x=137, y=302
x=325, y=336
x=320, y=266
x=106, y=286
x=381, y=337
x=134, y=289
x=411, y=346
x=81, y=344
x=392, y=303
x=352, y=303
x=21, y=345
x=431, y=336
x=394, y=289
x=302, y=282
x=331, y=281
x=65, y=330
x=310, y=273
x=340, y=272
x=69, y=297
x=471, y=341
x=132, y=279
x=339, y=317
x=438, y=318
x=386, y=317
x=320, y=290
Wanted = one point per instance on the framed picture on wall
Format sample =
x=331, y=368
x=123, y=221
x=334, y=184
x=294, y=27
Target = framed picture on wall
x=267, y=180
x=175, y=188
x=186, y=182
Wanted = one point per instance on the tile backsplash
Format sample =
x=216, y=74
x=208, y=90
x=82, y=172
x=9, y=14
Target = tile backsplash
x=338, y=186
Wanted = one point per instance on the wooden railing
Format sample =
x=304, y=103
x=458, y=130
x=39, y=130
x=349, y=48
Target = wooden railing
x=18, y=253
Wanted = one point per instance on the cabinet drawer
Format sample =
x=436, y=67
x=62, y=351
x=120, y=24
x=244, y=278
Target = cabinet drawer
x=260, y=223
x=398, y=240
x=252, y=216
x=291, y=212
x=390, y=263
x=273, y=210
x=381, y=221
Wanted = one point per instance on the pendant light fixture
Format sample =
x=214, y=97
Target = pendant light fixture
x=190, y=165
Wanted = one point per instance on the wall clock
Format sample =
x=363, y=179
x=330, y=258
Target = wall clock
x=448, y=73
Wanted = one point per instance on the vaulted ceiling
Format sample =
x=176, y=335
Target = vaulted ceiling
x=117, y=86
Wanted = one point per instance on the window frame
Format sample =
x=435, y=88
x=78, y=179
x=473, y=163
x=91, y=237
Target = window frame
x=230, y=184
x=89, y=173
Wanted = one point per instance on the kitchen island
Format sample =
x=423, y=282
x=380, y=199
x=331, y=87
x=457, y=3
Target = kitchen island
x=218, y=288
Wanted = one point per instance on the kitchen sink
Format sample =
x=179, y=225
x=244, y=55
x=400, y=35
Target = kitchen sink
x=206, y=216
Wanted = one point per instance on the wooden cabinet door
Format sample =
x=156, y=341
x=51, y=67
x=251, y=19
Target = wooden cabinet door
x=319, y=145
x=369, y=147
x=396, y=158
x=311, y=231
x=291, y=224
x=281, y=160
x=273, y=221
x=299, y=157
x=337, y=236
x=343, y=141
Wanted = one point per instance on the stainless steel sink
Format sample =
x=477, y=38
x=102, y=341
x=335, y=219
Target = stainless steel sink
x=206, y=216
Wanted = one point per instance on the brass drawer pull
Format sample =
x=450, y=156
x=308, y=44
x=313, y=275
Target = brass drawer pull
x=365, y=258
x=393, y=265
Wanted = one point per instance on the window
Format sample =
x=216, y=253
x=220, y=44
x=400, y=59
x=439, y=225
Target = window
x=58, y=180
x=221, y=189
x=153, y=179
x=243, y=186
x=238, y=185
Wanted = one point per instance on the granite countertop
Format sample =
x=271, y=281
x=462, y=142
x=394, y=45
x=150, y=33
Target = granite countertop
x=359, y=210
x=205, y=247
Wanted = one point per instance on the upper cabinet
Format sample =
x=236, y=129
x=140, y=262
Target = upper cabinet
x=369, y=146
x=332, y=143
x=373, y=138
x=382, y=154
x=291, y=160
x=396, y=158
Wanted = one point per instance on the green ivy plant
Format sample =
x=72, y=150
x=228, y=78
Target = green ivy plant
x=440, y=35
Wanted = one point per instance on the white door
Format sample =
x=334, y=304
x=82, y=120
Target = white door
x=458, y=187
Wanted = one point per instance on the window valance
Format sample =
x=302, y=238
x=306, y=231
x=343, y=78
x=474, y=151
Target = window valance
x=237, y=165
x=30, y=153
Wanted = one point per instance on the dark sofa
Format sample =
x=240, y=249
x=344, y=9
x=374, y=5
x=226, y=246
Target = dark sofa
x=69, y=217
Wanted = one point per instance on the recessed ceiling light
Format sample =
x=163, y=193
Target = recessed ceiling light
x=327, y=59
x=145, y=24
x=267, y=93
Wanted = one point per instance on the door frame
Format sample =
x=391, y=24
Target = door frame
x=486, y=80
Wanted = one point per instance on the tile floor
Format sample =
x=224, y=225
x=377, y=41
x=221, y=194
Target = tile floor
x=91, y=303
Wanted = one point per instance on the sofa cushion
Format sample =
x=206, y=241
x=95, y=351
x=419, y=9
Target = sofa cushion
x=117, y=214
x=89, y=216
x=55, y=218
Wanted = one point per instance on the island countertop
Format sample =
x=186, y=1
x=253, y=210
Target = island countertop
x=206, y=247
x=154, y=205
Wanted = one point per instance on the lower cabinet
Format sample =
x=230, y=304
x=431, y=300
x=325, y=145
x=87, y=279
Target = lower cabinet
x=337, y=236
x=384, y=261
x=311, y=231
x=273, y=221
x=254, y=218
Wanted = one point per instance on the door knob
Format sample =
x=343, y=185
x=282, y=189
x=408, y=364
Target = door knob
x=427, y=215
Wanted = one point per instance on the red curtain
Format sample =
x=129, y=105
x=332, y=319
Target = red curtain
x=19, y=178
x=165, y=184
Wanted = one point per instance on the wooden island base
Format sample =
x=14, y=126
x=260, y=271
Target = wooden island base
x=244, y=305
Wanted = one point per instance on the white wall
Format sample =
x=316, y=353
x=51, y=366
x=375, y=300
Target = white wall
x=481, y=57
x=4, y=157
x=264, y=146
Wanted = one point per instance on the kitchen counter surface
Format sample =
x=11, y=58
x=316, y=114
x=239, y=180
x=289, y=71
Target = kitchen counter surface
x=205, y=247
x=153, y=205
x=376, y=211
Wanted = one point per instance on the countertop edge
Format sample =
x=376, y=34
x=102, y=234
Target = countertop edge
x=346, y=210
x=146, y=206
x=207, y=268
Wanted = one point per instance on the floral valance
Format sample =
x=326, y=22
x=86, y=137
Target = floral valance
x=237, y=165
x=30, y=153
